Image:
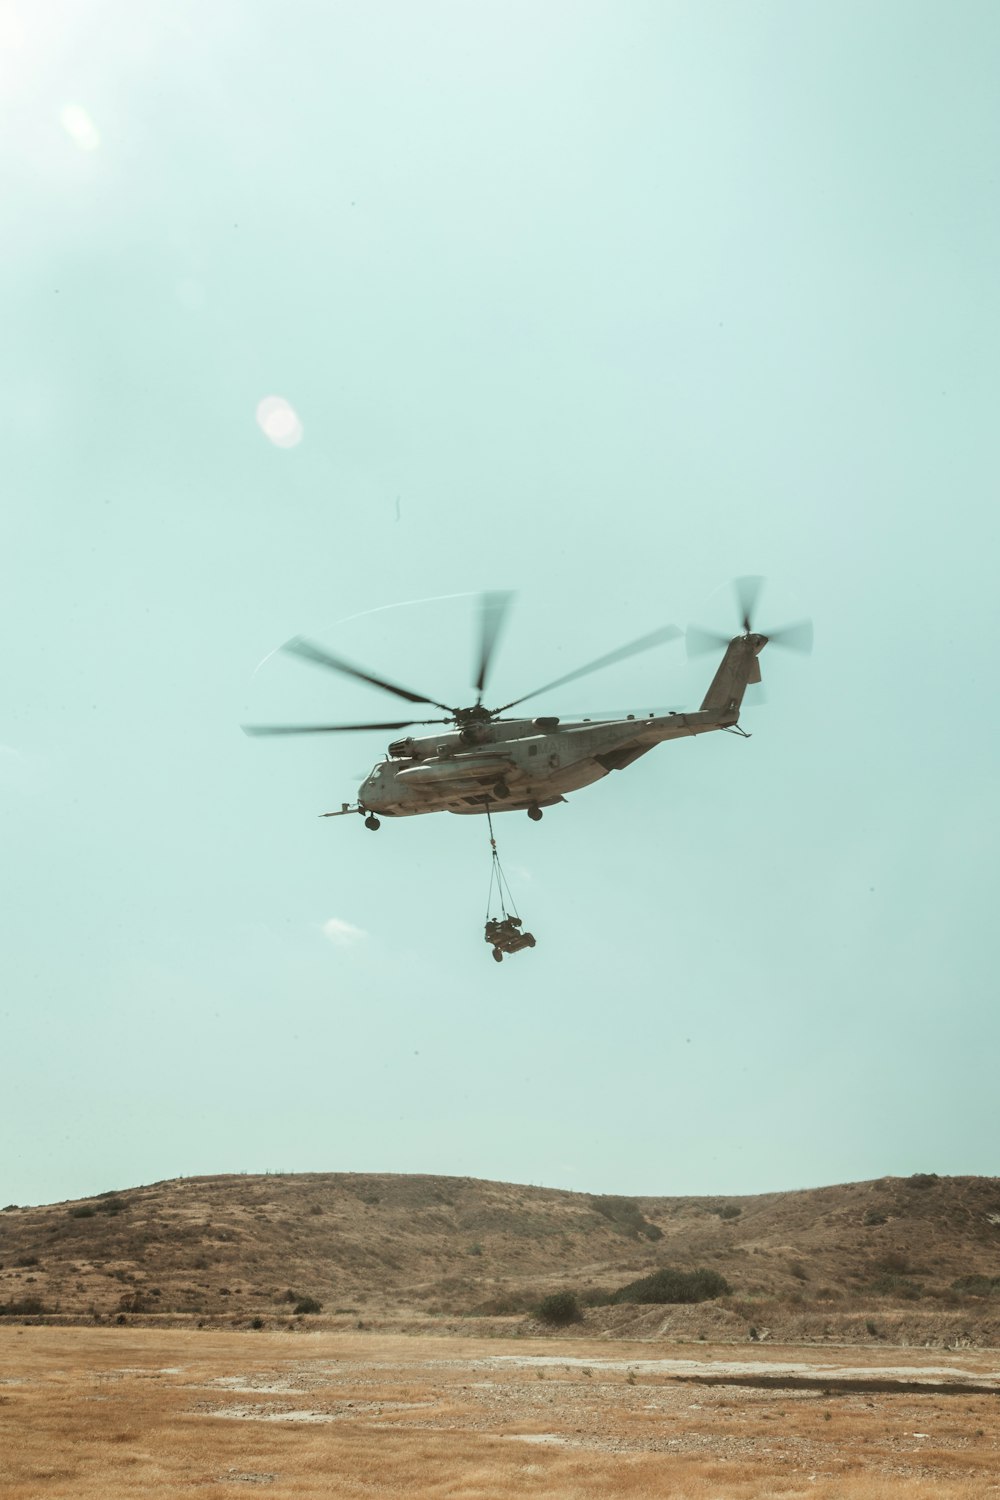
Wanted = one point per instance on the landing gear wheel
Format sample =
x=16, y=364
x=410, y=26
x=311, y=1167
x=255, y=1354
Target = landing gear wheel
x=501, y=791
x=529, y=939
x=535, y=813
x=372, y=822
x=498, y=955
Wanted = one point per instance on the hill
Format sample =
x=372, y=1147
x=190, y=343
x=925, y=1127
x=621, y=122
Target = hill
x=903, y=1259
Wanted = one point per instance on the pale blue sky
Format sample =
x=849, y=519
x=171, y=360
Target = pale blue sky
x=617, y=300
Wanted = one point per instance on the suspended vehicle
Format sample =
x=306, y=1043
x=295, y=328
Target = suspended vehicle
x=483, y=758
x=502, y=932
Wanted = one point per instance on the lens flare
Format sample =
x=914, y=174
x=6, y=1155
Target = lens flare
x=279, y=422
x=80, y=127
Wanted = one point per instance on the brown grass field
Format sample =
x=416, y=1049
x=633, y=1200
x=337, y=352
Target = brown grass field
x=111, y=1413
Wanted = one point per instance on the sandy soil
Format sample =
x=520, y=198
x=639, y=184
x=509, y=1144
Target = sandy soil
x=109, y=1413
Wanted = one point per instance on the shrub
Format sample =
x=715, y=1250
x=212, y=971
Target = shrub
x=674, y=1286
x=83, y=1211
x=726, y=1210
x=24, y=1307
x=976, y=1286
x=627, y=1217
x=873, y=1216
x=307, y=1305
x=560, y=1309
x=109, y=1204
x=256, y=1324
x=923, y=1180
x=896, y=1261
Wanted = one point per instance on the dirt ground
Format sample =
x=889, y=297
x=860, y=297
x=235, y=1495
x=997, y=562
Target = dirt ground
x=125, y=1412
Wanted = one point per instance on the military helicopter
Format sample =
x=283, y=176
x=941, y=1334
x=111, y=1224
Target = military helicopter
x=484, y=761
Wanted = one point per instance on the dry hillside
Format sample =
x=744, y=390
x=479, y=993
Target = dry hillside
x=902, y=1260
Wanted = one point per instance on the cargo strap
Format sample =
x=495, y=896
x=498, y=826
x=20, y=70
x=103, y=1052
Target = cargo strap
x=498, y=879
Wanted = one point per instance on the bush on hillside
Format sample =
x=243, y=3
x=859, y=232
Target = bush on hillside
x=897, y=1262
x=560, y=1309
x=669, y=1285
x=976, y=1286
x=627, y=1217
x=24, y=1307
x=308, y=1305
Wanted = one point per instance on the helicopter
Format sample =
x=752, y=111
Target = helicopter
x=485, y=762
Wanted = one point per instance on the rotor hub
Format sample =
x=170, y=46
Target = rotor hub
x=466, y=718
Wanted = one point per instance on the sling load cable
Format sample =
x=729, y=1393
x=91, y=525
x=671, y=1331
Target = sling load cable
x=498, y=878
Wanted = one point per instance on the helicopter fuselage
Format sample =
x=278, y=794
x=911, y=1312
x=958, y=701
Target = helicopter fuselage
x=518, y=764
x=479, y=761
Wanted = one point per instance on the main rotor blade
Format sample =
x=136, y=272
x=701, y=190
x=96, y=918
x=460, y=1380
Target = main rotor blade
x=797, y=637
x=259, y=729
x=644, y=643
x=699, y=642
x=747, y=591
x=493, y=612
x=299, y=646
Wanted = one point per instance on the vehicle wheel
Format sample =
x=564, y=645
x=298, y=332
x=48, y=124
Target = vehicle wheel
x=498, y=955
x=372, y=822
x=529, y=939
x=535, y=813
x=501, y=790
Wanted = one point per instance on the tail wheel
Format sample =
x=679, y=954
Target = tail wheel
x=535, y=813
x=498, y=955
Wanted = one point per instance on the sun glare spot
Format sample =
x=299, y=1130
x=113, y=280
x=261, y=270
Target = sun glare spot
x=80, y=127
x=279, y=422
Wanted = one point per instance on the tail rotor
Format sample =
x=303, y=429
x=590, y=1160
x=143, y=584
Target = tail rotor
x=797, y=636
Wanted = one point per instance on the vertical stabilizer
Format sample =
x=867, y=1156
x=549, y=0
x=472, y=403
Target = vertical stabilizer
x=738, y=668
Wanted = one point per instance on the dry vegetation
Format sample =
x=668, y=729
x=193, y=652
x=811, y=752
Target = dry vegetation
x=116, y=1413
x=273, y=1332
x=908, y=1261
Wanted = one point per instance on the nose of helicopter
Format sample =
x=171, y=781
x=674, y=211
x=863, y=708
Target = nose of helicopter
x=372, y=790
